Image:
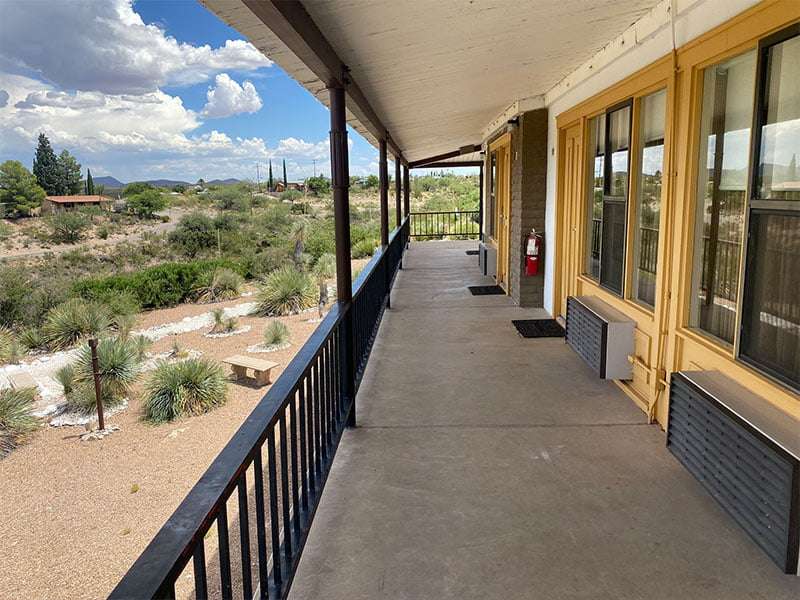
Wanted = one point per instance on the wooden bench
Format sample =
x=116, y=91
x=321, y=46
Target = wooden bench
x=261, y=368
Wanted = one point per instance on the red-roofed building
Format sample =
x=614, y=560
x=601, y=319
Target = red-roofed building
x=53, y=204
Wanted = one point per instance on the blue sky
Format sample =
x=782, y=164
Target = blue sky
x=152, y=89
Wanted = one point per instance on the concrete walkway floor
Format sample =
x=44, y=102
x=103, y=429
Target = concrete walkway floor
x=485, y=465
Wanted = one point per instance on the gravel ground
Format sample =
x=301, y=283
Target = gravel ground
x=70, y=521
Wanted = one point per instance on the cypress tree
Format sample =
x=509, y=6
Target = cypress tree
x=270, y=183
x=45, y=166
x=285, y=181
x=89, y=183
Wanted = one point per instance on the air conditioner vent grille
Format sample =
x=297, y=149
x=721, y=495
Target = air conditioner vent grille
x=586, y=334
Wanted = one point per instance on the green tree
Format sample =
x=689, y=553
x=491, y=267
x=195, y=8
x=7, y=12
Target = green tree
x=45, y=166
x=319, y=185
x=19, y=192
x=89, y=183
x=270, y=181
x=285, y=181
x=147, y=203
x=137, y=187
x=69, y=174
x=372, y=182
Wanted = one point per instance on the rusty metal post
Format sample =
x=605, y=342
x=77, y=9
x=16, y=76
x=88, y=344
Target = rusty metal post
x=97, y=390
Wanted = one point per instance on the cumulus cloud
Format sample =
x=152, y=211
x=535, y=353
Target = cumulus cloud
x=136, y=136
x=228, y=98
x=105, y=46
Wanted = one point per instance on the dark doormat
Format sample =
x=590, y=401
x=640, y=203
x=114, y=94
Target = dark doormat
x=539, y=328
x=486, y=290
x=472, y=253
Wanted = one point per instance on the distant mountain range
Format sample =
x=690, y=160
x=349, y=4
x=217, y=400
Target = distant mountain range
x=114, y=183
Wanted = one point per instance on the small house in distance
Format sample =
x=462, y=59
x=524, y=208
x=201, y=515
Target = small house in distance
x=280, y=187
x=53, y=204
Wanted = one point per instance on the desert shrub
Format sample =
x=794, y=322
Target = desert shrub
x=231, y=197
x=15, y=291
x=32, y=338
x=10, y=349
x=284, y=292
x=227, y=222
x=166, y=284
x=16, y=417
x=364, y=248
x=103, y=232
x=119, y=364
x=319, y=238
x=221, y=284
x=276, y=332
x=67, y=227
x=194, y=233
x=122, y=303
x=5, y=232
x=69, y=322
x=319, y=185
x=191, y=387
x=291, y=195
x=265, y=261
x=325, y=267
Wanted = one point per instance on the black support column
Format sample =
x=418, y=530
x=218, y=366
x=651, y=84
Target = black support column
x=406, y=191
x=383, y=173
x=397, y=187
x=340, y=179
x=480, y=202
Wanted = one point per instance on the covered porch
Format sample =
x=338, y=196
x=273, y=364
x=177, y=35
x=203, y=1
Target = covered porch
x=487, y=465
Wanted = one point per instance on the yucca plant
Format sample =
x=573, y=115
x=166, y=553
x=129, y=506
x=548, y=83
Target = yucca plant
x=187, y=388
x=230, y=324
x=68, y=323
x=32, y=338
x=7, y=342
x=364, y=248
x=285, y=291
x=16, y=418
x=119, y=364
x=325, y=267
x=276, y=333
x=223, y=284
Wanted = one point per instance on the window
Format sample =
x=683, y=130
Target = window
x=648, y=196
x=609, y=159
x=594, y=221
x=725, y=123
x=615, y=197
x=492, y=194
x=770, y=334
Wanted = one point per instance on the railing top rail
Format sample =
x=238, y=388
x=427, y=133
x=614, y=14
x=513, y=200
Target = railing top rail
x=358, y=284
x=444, y=212
x=174, y=543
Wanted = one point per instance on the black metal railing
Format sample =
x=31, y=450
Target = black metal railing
x=438, y=225
x=294, y=430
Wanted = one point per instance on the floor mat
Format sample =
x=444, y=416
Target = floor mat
x=539, y=328
x=472, y=253
x=486, y=290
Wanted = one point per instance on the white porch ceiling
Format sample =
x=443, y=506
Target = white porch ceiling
x=438, y=71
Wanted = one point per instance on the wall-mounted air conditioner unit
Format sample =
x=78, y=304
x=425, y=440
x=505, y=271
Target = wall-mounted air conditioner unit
x=487, y=260
x=745, y=452
x=601, y=335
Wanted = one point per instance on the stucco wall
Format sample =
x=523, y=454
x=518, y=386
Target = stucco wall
x=646, y=41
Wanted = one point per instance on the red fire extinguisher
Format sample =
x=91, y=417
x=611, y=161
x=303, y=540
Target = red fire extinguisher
x=533, y=252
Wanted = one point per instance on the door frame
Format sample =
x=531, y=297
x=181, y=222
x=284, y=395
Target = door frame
x=502, y=209
x=569, y=236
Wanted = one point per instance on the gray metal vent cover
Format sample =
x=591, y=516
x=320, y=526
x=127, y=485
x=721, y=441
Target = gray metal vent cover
x=751, y=477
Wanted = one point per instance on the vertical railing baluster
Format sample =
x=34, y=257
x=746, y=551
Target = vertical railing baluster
x=313, y=457
x=285, y=497
x=294, y=457
x=199, y=563
x=261, y=526
x=301, y=398
x=224, y=554
x=272, y=476
x=317, y=434
x=318, y=418
x=244, y=538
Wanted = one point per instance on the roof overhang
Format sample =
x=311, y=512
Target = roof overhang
x=429, y=75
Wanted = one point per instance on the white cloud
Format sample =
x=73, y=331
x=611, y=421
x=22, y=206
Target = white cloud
x=105, y=46
x=228, y=98
x=137, y=136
